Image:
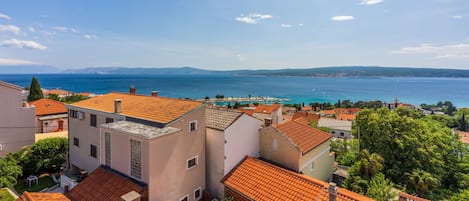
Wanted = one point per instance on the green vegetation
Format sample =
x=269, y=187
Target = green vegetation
x=380, y=188
x=9, y=172
x=220, y=96
x=35, y=92
x=68, y=99
x=5, y=195
x=45, y=156
x=43, y=182
x=419, y=153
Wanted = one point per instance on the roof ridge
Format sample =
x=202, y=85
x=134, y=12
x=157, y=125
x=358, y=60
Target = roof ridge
x=147, y=96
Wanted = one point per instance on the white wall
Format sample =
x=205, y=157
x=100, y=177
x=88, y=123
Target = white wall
x=242, y=138
x=16, y=122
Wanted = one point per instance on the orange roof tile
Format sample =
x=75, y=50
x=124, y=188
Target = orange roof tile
x=464, y=137
x=248, y=112
x=259, y=180
x=303, y=121
x=286, y=117
x=85, y=94
x=28, y=196
x=348, y=117
x=48, y=107
x=305, y=137
x=307, y=108
x=158, y=109
x=329, y=112
x=104, y=184
x=407, y=197
x=312, y=117
x=267, y=109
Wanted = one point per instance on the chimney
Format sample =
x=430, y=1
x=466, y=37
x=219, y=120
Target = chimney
x=132, y=90
x=332, y=191
x=154, y=93
x=267, y=121
x=131, y=196
x=117, y=105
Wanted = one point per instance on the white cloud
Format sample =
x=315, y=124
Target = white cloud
x=14, y=62
x=22, y=44
x=286, y=25
x=65, y=29
x=10, y=28
x=446, y=51
x=240, y=57
x=370, y=2
x=457, y=17
x=48, y=33
x=31, y=29
x=5, y=16
x=300, y=25
x=342, y=18
x=89, y=36
x=253, y=18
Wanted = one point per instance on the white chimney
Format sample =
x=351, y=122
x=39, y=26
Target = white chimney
x=117, y=105
x=131, y=196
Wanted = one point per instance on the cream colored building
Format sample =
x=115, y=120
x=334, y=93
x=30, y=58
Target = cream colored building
x=16, y=119
x=231, y=136
x=298, y=147
x=272, y=112
x=155, y=140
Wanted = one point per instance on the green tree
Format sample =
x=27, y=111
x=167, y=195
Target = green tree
x=422, y=182
x=463, y=195
x=463, y=123
x=54, y=97
x=9, y=172
x=370, y=164
x=380, y=188
x=35, y=92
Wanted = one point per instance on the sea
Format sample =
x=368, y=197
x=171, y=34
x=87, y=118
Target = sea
x=414, y=90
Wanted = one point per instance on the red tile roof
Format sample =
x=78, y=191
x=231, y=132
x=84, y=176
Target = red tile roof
x=329, y=112
x=348, y=117
x=259, y=180
x=304, y=137
x=28, y=196
x=267, y=109
x=311, y=116
x=104, y=184
x=158, y=109
x=307, y=108
x=407, y=197
x=48, y=107
x=303, y=121
x=464, y=136
x=248, y=112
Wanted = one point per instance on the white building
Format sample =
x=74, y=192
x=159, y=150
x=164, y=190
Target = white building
x=230, y=137
x=339, y=128
x=17, y=119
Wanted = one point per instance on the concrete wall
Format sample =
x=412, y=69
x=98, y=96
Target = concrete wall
x=51, y=125
x=80, y=156
x=215, y=153
x=286, y=154
x=169, y=179
x=322, y=162
x=16, y=122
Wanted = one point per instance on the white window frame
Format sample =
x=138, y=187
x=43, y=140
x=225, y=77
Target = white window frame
x=195, y=121
x=200, y=196
x=184, y=197
x=196, y=162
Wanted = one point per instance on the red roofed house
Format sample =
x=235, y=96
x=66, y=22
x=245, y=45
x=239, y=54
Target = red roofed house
x=407, y=197
x=154, y=140
x=254, y=179
x=51, y=116
x=273, y=112
x=298, y=147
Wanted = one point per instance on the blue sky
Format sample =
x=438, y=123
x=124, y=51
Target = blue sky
x=242, y=34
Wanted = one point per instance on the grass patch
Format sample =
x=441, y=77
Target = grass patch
x=5, y=195
x=43, y=182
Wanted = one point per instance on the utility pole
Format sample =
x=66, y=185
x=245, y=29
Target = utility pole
x=358, y=129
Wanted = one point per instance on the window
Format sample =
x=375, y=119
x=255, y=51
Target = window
x=76, y=142
x=194, y=161
x=93, y=120
x=275, y=144
x=197, y=193
x=312, y=166
x=342, y=134
x=185, y=198
x=107, y=149
x=73, y=114
x=109, y=120
x=193, y=126
x=135, y=158
x=93, y=151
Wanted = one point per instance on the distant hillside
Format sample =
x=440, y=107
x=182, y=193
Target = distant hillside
x=127, y=70
x=360, y=71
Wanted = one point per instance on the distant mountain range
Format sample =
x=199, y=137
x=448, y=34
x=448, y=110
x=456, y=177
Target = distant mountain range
x=343, y=71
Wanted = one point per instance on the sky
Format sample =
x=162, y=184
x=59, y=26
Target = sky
x=241, y=34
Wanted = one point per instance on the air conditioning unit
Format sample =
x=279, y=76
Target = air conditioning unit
x=80, y=115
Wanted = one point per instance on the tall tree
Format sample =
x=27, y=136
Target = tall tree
x=463, y=123
x=9, y=172
x=35, y=92
x=380, y=188
x=370, y=164
x=422, y=182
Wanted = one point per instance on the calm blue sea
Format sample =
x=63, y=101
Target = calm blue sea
x=298, y=89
